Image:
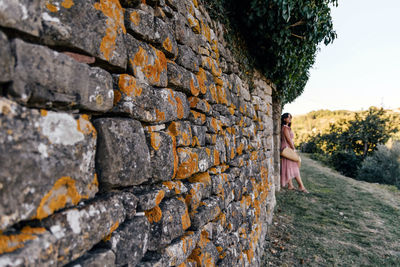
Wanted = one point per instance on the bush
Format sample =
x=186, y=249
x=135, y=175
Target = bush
x=310, y=147
x=347, y=163
x=383, y=166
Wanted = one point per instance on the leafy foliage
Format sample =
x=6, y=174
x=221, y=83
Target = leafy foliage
x=282, y=36
x=383, y=166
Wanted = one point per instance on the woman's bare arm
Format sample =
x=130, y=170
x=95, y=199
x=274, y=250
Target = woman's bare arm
x=286, y=133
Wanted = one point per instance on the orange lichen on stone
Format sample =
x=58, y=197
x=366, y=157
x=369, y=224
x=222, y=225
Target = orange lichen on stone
x=194, y=24
x=232, y=109
x=197, y=115
x=135, y=17
x=117, y=97
x=127, y=84
x=51, y=7
x=67, y=3
x=240, y=148
x=216, y=157
x=213, y=92
x=179, y=108
x=232, y=152
x=221, y=95
x=201, y=78
x=64, y=191
x=194, y=90
x=176, y=159
x=189, y=165
x=112, y=229
x=167, y=44
x=205, y=30
x=114, y=12
x=203, y=178
x=160, y=197
x=33, y=230
x=85, y=126
x=215, y=124
x=155, y=140
x=160, y=115
x=152, y=71
x=9, y=243
x=254, y=155
x=154, y=215
x=185, y=220
x=195, y=141
x=193, y=101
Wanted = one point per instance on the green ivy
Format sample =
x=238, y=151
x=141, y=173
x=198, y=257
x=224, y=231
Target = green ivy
x=281, y=36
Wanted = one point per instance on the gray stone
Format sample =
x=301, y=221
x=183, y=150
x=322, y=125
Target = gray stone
x=199, y=135
x=48, y=79
x=94, y=27
x=123, y=157
x=147, y=104
x=22, y=15
x=200, y=104
x=34, y=143
x=129, y=241
x=182, y=132
x=164, y=39
x=172, y=224
x=179, y=250
x=182, y=80
x=188, y=162
x=95, y=258
x=162, y=159
x=206, y=212
x=146, y=63
x=6, y=59
x=187, y=58
x=140, y=22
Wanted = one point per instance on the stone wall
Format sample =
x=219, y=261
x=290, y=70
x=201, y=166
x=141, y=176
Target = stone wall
x=129, y=136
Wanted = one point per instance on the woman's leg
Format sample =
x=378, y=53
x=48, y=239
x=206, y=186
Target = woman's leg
x=300, y=183
x=290, y=185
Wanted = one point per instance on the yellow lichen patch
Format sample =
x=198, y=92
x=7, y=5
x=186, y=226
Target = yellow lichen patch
x=203, y=178
x=213, y=92
x=9, y=243
x=201, y=78
x=63, y=192
x=215, y=125
x=176, y=159
x=33, y=230
x=135, y=18
x=115, y=24
x=112, y=229
x=167, y=44
x=51, y=7
x=221, y=95
x=232, y=109
x=67, y=3
x=153, y=72
x=185, y=220
x=179, y=108
x=43, y=112
x=160, y=115
x=195, y=141
x=254, y=155
x=232, y=152
x=85, y=126
x=214, y=47
x=239, y=149
x=205, y=30
x=216, y=157
x=127, y=84
x=154, y=215
x=193, y=101
x=117, y=97
x=188, y=166
x=194, y=24
x=155, y=140
x=159, y=197
x=194, y=90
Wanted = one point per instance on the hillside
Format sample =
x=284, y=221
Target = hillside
x=318, y=122
x=342, y=222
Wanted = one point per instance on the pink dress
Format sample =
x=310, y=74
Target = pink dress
x=289, y=168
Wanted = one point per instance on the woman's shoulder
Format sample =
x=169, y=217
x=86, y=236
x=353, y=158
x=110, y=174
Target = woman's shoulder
x=286, y=126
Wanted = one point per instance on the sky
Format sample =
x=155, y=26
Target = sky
x=362, y=66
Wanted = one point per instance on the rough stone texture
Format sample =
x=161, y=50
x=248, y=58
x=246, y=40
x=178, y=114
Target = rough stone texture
x=145, y=103
x=95, y=258
x=22, y=15
x=94, y=27
x=6, y=59
x=140, y=22
x=34, y=142
x=116, y=164
x=48, y=79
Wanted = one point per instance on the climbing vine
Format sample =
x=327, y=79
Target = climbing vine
x=281, y=36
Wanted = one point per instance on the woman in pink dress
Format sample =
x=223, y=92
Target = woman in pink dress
x=289, y=168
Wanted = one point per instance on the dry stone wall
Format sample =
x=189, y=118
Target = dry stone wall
x=130, y=136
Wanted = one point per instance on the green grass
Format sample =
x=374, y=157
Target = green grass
x=342, y=222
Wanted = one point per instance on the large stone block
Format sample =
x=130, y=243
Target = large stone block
x=146, y=63
x=94, y=27
x=22, y=15
x=179, y=250
x=70, y=234
x=129, y=241
x=206, y=212
x=147, y=104
x=123, y=157
x=182, y=80
x=49, y=79
x=168, y=221
x=32, y=145
x=140, y=22
x=187, y=58
x=188, y=162
x=182, y=132
x=6, y=59
x=164, y=39
x=162, y=156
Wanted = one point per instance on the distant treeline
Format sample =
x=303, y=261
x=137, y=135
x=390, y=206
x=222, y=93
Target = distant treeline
x=364, y=145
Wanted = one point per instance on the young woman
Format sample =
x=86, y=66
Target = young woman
x=289, y=168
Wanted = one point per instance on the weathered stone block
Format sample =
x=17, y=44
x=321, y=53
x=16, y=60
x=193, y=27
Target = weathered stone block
x=140, y=22
x=182, y=80
x=34, y=143
x=49, y=79
x=95, y=258
x=6, y=59
x=95, y=27
x=178, y=251
x=22, y=15
x=71, y=233
x=206, y=212
x=205, y=253
x=168, y=222
x=164, y=38
x=200, y=104
x=123, y=157
x=146, y=63
x=129, y=241
x=199, y=135
x=162, y=156
x=187, y=58
x=188, y=162
x=147, y=104
x=182, y=132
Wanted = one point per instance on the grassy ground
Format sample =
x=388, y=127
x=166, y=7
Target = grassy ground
x=342, y=222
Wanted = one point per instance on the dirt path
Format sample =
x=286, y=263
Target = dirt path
x=342, y=222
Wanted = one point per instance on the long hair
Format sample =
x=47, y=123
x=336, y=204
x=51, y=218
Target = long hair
x=283, y=117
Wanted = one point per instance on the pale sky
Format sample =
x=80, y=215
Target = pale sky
x=362, y=66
